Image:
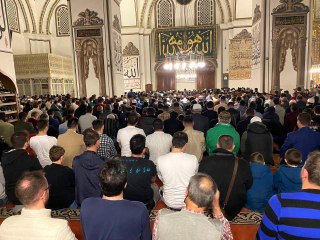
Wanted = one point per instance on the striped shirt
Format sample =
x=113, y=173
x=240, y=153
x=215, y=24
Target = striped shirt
x=292, y=216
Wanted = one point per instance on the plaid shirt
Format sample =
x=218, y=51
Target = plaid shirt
x=226, y=232
x=106, y=149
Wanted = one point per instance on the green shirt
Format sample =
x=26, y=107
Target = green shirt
x=222, y=129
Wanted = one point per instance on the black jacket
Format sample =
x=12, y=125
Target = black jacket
x=146, y=123
x=62, y=186
x=201, y=123
x=258, y=139
x=172, y=125
x=220, y=167
x=14, y=164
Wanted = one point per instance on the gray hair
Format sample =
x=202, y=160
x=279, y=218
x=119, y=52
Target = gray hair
x=312, y=165
x=201, y=190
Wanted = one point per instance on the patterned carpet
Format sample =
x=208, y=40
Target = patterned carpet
x=243, y=218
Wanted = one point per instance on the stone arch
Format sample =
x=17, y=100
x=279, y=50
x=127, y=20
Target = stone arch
x=54, y=5
x=34, y=27
x=43, y=11
x=25, y=17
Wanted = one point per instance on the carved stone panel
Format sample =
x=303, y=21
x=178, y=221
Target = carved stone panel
x=256, y=36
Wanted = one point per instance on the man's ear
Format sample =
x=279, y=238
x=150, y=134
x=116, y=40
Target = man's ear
x=233, y=146
x=304, y=174
x=187, y=193
x=144, y=151
x=218, y=145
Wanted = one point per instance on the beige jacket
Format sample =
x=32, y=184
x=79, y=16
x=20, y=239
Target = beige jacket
x=35, y=225
x=196, y=143
x=73, y=144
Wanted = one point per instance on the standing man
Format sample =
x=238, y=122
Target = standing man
x=196, y=140
x=223, y=127
x=125, y=134
x=85, y=121
x=6, y=129
x=35, y=222
x=295, y=215
x=112, y=217
x=174, y=170
x=201, y=123
x=305, y=139
x=152, y=142
x=86, y=168
x=72, y=142
x=42, y=143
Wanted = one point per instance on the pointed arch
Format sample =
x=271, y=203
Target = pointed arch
x=164, y=10
x=43, y=11
x=24, y=13
x=34, y=27
x=54, y=5
x=205, y=12
x=13, y=16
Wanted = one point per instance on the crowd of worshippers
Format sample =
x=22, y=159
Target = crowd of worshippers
x=206, y=155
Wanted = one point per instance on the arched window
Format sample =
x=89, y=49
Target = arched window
x=13, y=17
x=62, y=21
x=205, y=12
x=164, y=13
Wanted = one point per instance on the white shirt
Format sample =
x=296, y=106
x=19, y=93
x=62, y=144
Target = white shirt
x=124, y=136
x=85, y=121
x=41, y=145
x=175, y=171
x=159, y=143
x=35, y=225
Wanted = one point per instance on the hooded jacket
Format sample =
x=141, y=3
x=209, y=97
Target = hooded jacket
x=14, y=164
x=257, y=138
x=261, y=190
x=86, y=168
x=287, y=179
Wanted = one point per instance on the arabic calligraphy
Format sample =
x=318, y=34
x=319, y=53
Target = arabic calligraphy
x=2, y=20
x=131, y=67
x=198, y=40
x=291, y=20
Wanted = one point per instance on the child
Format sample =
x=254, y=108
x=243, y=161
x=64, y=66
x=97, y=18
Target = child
x=61, y=181
x=261, y=190
x=287, y=178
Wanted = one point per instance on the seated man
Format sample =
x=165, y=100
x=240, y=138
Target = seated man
x=175, y=169
x=16, y=162
x=35, y=222
x=141, y=173
x=220, y=166
x=60, y=179
x=295, y=215
x=191, y=222
x=112, y=217
x=86, y=168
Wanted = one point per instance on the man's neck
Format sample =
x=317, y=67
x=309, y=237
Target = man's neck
x=137, y=155
x=115, y=198
x=193, y=207
x=176, y=150
x=92, y=149
x=73, y=129
x=42, y=133
x=35, y=206
x=308, y=185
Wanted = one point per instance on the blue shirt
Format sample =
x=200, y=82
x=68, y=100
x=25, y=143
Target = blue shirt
x=114, y=220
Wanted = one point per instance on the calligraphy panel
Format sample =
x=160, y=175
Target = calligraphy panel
x=131, y=67
x=200, y=40
x=132, y=84
x=240, y=56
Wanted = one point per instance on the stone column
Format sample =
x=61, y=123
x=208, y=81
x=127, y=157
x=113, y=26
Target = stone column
x=301, y=59
x=275, y=81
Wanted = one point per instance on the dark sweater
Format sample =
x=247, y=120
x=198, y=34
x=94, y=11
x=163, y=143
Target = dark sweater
x=62, y=184
x=14, y=164
x=220, y=167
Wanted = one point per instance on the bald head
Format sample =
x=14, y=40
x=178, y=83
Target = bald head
x=201, y=190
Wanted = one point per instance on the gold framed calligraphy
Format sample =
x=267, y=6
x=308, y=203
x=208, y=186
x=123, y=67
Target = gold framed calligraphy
x=131, y=67
x=200, y=40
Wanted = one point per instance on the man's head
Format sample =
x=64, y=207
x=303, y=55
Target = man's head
x=50, y=112
x=23, y=116
x=293, y=157
x=56, y=154
x=73, y=123
x=20, y=140
x=250, y=112
x=226, y=142
x=310, y=173
x=98, y=126
x=224, y=117
x=113, y=178
x=196, y=108
x=304, y=120
x=91, y=139
x=32, y=190
x=157, y=124
x=151, y=111
x=188, y=121
x=201, y=190
x=89, y=109
x=34, y=115
x=210, y=105
x=43, y=125
x=133, y=119
x=138, y=144
x=179, y=140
